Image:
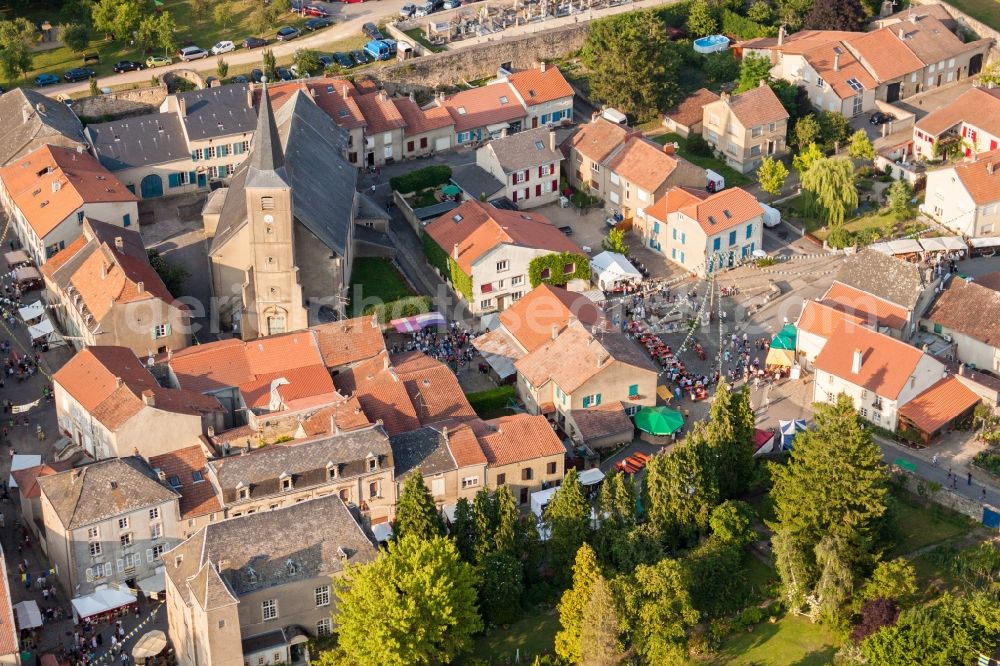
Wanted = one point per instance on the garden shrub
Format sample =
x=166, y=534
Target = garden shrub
x=840, y=238
x=403, y=307
x=421, y=179
x=744, y=28
x=446, y=266
x=555, y=264
x=696, y=145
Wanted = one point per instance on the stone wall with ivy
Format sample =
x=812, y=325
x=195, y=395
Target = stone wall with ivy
x=556, y=265
x=446, y=266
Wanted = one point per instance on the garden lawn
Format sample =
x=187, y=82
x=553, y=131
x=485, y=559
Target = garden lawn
x=792, y=640
x=417, y=35
x=920, y=527
x=732, y=176
x=491, y=403
x=532, y=634
x=986, y=11
x=374, y=280
x=203, y=32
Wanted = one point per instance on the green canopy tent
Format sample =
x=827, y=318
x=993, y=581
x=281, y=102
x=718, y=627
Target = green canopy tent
x=785, y=338
x=451, y=190
x=659, y=420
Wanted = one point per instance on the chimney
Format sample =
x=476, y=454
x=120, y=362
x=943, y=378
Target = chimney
x=669, y=148
x=444, y=432
x=210, y=431
x=25, y=115
x=761, y=83
x=141, y=286
x=836, y=62
x=385, y=362
x=724, y=96
x=148, y=397
x=40, y=107
x=383, y=95
x=56, y=185
x=119, y=382
x=913, y=17
x=552, y=140
x=182, y=107
x=454, y=252
x=856, y=359
x=542, y=67
x=781, y=34
x=104, y=270
x=161, y=475
x=250, y=96
x=902, y=34
x=961, y=369
x=345, y=92
x=990, y=168
x=413, y=97
x=119, y=243
x=555, y=331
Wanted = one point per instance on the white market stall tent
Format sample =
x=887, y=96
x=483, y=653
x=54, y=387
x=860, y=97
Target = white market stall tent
x=28, y=614
x=32, y=311
x=610, y=269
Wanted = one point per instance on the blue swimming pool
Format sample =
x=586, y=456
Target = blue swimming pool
x=711, y=44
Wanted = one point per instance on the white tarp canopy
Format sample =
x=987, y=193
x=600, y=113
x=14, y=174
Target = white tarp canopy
x=541, y=499
x=21, y=461
x=31, y=311
x=986, y=241
x=589, y=477
x=28, y=614
x=609, y=268
x=41, y=329
x=154, y=584
x=449, y=512
x=150, y=645
x=902, y=246
x=382, y=531
x=943, y=244
x=100, y=601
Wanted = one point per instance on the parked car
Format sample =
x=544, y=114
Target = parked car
x=452, y=4
x=254, y=43
x=79, y=74
x=46, y=79
x=371, y=30
x=239, y=78
x=313, y=10
x=568, y=230
x=158, y=61
x=407, y=11
x=224, y=46
x=377, y=50
x=343, y=59
x=256, y=75
x=287, y=33
x=189, y=53
x=360, y=57
x=351, y=2
x=127, y=66
x=284, y=73
x=326, y=59
x=317, y=23
x=880, y=118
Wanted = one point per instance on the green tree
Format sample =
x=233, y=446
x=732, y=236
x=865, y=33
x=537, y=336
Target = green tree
x=760, y=12
x=94, y=90
x=791, y=12
x=173, y=275
x=894, y=579
x=599, y=634
x=633, y=64
x=657, y=612
x=223, y=13
x=501, y=585
x=721, y=67
x=732, y=523
x=832, y=485
x=772, y=174
x=806, y=158
x=834, y=128
x=484, y=518
x=76, y=36
x=269, y=65
x=732, y=456
x=861, y=147
x=463, y=531
x=898, y=196
x=616, y=504
x=415, y=604
x=166, y=30
x=615, y=241
x=807, y=130
x=103, y=14
x=753, y=70
x=714, y=575
x=124, y=20
x=846, y=15
x=744, y=423
x=990, y=74
x=836, y=578
x=261, y=18
x=573, y=605
x=568, y=515
x=679, y=492
x=221, y=68
x=416, y=512
x=505, y=537
x=17, y=36
x=829, y=191
x=701, y=19
x=147, y=32
x=307, y=62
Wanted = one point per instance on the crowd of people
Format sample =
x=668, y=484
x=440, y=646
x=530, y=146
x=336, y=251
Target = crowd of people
x=452, y=345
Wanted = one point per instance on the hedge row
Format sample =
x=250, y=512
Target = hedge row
x=421, y=179
x=404, y=307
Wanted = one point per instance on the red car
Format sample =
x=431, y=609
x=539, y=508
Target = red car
x=317, y=12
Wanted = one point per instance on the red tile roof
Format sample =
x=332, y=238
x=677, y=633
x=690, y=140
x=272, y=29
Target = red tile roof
x=979, y=107
x=337, y=97
x=27, y=478
x=212, y=366
x=349, y=340
x=676, y=198
x=517, y=438
x=642, y=162
x=538, y=87
x=278, y=353
x=885, y=54
x=197, y=497
x=433, y=388
x=381, y=392
x=477, y=228
x=946, y=400
x=381, y=115
x=822, y=320
x=8, y=630
x=887, y=364
x=463, y=444
x=868, y=307
x=345, y=415
x=838, y=72
x=530, y=319
x=109, y=277
x=309, y=383
x=56, y=261
x=689, y=111
x=486, y=105
x=597, y=139
x=799, y=42
x=714, y=213
x=982, y=186
x=52, y=182
x=419, y=121
x=756, y=106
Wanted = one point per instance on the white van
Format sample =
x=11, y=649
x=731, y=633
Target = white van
x=772, y=216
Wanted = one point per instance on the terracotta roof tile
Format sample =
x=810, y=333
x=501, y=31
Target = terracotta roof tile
x=307, y=383
x=56, y=261
x=689, y=111
x=714, y=213
x=419, y=121
x=822, y=319
x=869, y=308
x=885, y=55
x=336, y=97
x=799, y=42
x=8, y=630
x=486, y=105
x=934, y=408
x=983, y=186
x=349, y=340
x=598, y=139
x=198, y=496
x=836, y=72
x=463, y=443
x=381, y=392
x=477, y=228
x=530, y=319
x=990, y=280
x=212, y=366
x=757, y=106
x=108, y=277
x=433, y=388
x=517, y=438
x=930, y=40
x=675, y=199
x=277, y=353
x=27, y=478
x=381, y=115
x=91, y=375
x=979, y=107
x=887, y=364
x=968, y=308
x=538, y=87
x=347, y=414
x=643, y=163
x=50, y=183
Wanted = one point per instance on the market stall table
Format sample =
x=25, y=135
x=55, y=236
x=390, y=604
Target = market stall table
x=28, y=614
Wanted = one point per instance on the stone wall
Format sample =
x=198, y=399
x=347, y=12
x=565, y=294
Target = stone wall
x=482, y=60
x=121, y=103
x=970, y=23
x=946, y=498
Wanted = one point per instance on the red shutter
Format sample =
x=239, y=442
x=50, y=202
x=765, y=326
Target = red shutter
x=540, y=174
x=555, y=185
x=514, y=197
x=993, y=145
x=538, y=190
x=964, y=130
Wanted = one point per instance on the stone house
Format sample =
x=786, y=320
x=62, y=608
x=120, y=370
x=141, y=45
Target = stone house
x=448, y=457
x=528, y=165
x=968, y=314
x=43, y=122
x=965, y=197
x=746, y=127
x=973, y=118
x=186, y=472
x=522, y=452
x=30, y=494
x=685, y=118
x=545, y=94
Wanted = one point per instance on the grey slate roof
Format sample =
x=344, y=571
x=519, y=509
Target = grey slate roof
x=373, y=237
x=895, y=280
x=219, y=111
x=266, y=162
x=269, y=548
x=306, y=462
x=142, y=141
x=369, y=210
x=31, y=119
x=103, y=490
x=323, y=183
x=624, y=349
x=524, y=150
x=262, y=642
x=424, y=450
x=475, y=180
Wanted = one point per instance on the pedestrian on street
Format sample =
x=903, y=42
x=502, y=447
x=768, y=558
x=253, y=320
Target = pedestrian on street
x=984, y=494
x=934, y=460
x=968, y=479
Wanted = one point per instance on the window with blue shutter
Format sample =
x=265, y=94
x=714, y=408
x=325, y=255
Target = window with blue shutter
x=79, y=216
x=673, y=253
x=238, y=148
x=222, y=151
x=586, y=401
x=174, y=179
x=717, y=244
x=732, y=238
x=749, y=230
x=126, y=220
x=195, y=155
x=633, y=390
x=192, y=177
x=675, y=233
x=597, y=399
x=684, y=238
x=682, y=257
x=656, y=227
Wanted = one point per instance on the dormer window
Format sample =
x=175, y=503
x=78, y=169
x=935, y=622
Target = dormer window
x=243, y=491
x=372, y=462
x=286, y=481
x=332, y=470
